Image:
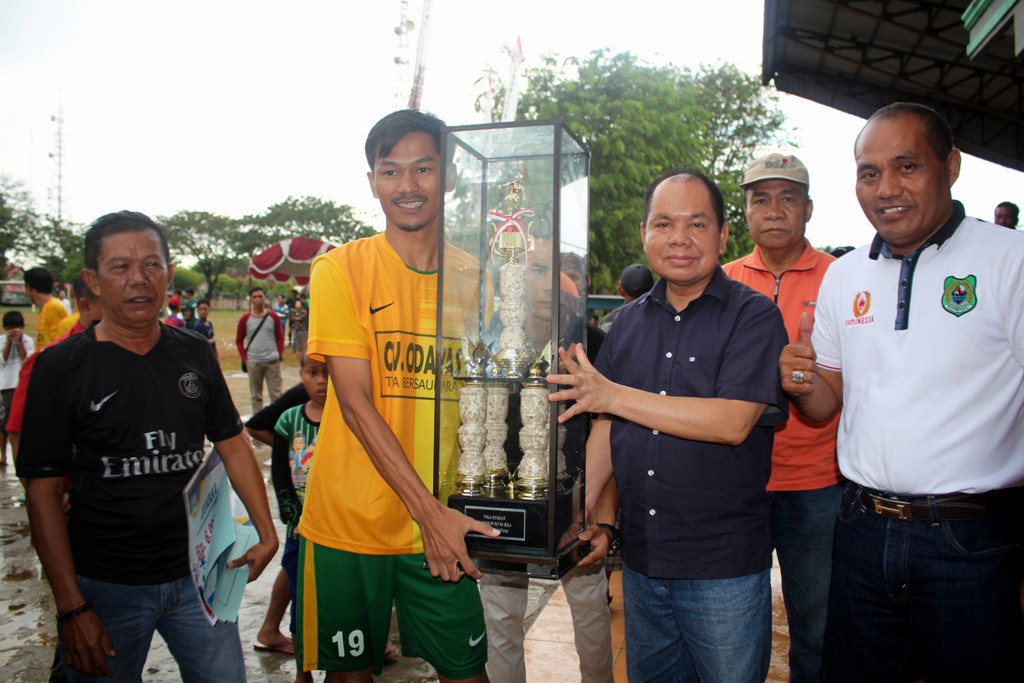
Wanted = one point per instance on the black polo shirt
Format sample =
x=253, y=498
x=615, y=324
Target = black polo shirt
x=690, y=509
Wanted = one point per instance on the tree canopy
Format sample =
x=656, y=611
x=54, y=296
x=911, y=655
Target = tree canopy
x=310, y=217
x=217, y=244
x=31, y=239
x=640, y=120
x=211, y=243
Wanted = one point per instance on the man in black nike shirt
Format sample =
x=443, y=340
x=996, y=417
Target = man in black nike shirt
x=125, y=408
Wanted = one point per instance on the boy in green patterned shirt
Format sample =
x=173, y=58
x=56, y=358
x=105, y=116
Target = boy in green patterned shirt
x=292, y=455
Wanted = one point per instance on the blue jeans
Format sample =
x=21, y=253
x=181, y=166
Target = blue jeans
x=680, y=630
x=922, y=599
x=803, y=525
x=131, y=614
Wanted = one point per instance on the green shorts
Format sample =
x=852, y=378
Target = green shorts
x=344, y=602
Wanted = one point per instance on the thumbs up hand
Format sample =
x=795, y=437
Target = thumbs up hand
x=796, y=364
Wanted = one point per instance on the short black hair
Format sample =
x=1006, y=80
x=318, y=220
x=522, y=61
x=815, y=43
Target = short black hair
x=937, y=130
x=841, y=251
x=116, y=223
x=39, y=279
x=717, y=199
x=1014, y=209
x=201, y=302
x=386, y=133
x=82, y=290
x=13, y=319
x=190, y=290
x=256, y=288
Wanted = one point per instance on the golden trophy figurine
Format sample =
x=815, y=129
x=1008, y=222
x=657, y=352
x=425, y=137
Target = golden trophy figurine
x=516, y=194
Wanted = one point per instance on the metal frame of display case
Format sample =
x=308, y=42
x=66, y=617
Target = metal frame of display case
x=516, y=206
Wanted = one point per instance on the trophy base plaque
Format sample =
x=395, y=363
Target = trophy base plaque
x=523, y=546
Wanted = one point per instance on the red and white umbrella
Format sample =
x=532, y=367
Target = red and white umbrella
x=288, y=260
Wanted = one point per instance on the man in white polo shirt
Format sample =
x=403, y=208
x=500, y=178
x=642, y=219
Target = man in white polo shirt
x=919, y=339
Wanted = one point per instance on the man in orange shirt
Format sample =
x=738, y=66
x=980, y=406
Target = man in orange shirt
x=804, y=484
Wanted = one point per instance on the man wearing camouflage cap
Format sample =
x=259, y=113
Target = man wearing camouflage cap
x=804, y=485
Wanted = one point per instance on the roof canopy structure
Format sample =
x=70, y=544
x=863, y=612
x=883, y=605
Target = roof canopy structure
x=288, y=260
x=859, y=55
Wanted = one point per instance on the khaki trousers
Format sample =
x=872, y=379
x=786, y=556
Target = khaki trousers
x=504, y=599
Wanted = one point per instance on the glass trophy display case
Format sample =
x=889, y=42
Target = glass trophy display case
x=512, y=291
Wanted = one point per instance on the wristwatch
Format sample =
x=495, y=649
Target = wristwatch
x=616, y=544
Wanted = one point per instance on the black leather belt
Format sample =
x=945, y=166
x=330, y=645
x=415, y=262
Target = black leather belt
x=928, y=508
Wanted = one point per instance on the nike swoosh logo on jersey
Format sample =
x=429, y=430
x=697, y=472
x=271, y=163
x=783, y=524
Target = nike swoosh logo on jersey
x=473, y=642
x=95, y=407
x=374, y=311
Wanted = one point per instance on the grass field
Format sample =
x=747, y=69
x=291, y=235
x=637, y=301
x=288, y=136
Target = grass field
x=224, y=325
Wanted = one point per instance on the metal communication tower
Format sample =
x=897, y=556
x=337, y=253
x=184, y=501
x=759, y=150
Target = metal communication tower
x=58, y=156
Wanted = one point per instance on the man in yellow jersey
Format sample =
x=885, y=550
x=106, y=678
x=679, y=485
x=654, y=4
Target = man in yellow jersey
x=39, y=288
x=372, y=532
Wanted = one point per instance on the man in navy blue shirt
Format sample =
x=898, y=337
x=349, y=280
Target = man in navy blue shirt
x=688, y=395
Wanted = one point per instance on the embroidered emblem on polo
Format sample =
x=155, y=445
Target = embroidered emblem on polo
x=861, y=307
x=861, y=304
x=959, y=295
x=189, y=385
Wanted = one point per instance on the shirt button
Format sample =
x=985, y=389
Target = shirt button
x=655, y=431
x=650, y=473
x=652, y=512
x=662, y=392
x=668, y=355
x=676, y=318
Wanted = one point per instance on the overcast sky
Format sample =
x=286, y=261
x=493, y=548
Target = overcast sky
x=232, y=106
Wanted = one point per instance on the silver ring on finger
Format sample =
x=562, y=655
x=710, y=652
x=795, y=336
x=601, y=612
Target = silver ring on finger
x=798, y=376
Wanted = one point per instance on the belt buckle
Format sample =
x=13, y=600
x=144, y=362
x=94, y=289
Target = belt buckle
x=896, y=509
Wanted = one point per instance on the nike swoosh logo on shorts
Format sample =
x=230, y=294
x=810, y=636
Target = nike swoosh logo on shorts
x=95, y=407
x=473, y=642
x=379, y=308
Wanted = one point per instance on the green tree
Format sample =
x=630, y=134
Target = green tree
x=58, y=247
x=308, y=217
x=18, y=220
x=233, y=288
x=639, y=120
x=185, y=278
x=214, y=243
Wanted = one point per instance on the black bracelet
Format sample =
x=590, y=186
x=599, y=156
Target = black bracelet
x=68, y=616
x=616, y=544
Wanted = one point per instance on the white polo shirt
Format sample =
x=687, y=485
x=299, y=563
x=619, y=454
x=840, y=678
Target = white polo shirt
x=937, y=407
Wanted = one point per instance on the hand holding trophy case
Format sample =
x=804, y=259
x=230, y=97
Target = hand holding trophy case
x=518, y=208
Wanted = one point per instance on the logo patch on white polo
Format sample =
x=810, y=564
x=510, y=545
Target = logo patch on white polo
x=861, y=307
x=959, y=295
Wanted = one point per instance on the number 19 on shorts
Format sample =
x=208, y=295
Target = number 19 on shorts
x=354, y=643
